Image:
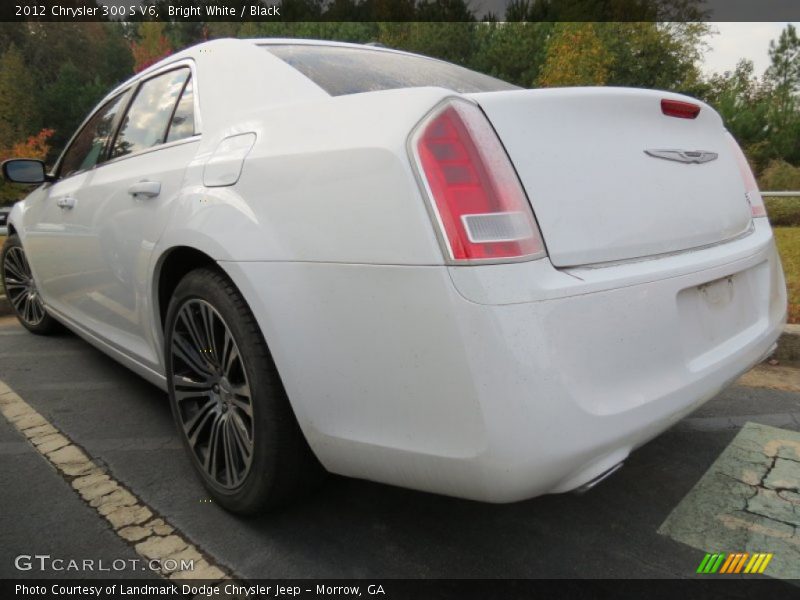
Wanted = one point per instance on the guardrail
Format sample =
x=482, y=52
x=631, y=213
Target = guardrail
x=780, y=194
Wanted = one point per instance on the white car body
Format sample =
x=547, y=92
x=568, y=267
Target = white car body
x=495, y=382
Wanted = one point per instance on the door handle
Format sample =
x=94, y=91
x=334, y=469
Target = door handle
x=66, y=202
x=145, y=189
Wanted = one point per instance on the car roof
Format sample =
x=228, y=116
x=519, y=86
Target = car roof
x=278, y=82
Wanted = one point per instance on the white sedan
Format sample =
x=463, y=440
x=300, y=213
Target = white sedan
x=353, y=259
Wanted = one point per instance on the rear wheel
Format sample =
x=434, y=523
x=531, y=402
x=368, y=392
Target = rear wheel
x=228, y=401
x=21, y=289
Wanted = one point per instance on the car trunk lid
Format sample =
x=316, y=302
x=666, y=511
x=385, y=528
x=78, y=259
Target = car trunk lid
x=611, y=177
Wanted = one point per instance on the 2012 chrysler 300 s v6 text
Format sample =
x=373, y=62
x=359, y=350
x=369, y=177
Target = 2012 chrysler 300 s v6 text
x=347, y=258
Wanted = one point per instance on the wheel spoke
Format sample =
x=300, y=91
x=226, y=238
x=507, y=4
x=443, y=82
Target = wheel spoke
x=181, y=381
x=15, y=271
x=26, y=305
x=241, y=437
x=207, y=318
x=197, y=423
x=18, y=263
x=198, y=339
x=189, y=355
x=38, y=311
x=229, y=353
x=227, y=452
x=183, y=395
x=212, y=395
x=241, y=399
x=12, y=284
x=210, y=462
x=19, y=300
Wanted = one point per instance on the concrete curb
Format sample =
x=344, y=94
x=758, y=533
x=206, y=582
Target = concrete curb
x=129, y=517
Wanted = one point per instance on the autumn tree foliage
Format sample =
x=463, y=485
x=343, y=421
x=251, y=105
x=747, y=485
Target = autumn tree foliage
x=153, y=45
x=36, y=146
x=575, y=56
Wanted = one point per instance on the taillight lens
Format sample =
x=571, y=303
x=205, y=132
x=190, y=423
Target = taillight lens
x=480, y=206
x=682, y=110
x=751, y=190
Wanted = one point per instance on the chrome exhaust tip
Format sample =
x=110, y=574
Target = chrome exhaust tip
x=602, y=477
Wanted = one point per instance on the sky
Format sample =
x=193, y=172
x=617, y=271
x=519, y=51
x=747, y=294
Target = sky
x=741, y=40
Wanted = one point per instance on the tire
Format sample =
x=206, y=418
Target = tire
x=20, y=289
x=224, y=392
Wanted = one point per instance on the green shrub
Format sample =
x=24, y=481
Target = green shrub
x=783, y=212
x=780, y=176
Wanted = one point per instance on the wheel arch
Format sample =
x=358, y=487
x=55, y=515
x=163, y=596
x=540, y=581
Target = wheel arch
x=176, y=262
x=172, y=266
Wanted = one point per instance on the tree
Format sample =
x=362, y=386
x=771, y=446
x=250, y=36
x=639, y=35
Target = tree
x=454, y=42
x=36, y=146
x=575, y=56
x=605, y=10
x=784, y=70
x=18, y=107
x=784, y=76
x=67, y=100
x=514, y=52
x=153, y=45
x=743, y=102
x=661, y=56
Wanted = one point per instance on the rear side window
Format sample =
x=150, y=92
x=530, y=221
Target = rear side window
x=90, y=144
x=342, y=70
x=182, y=124
x=151, y=112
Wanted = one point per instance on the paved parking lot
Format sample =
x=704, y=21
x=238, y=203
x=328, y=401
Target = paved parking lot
x=349, y=528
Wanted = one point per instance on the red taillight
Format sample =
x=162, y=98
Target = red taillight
x=480, y=205
x=752, y=193
x=682, y=110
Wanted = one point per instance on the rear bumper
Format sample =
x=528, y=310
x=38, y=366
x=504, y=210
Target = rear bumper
x=503, y=382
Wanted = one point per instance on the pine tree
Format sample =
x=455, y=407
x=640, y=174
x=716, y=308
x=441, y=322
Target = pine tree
x=18, y=107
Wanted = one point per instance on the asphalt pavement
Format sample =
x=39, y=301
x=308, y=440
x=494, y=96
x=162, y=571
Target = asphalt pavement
x=349, y=528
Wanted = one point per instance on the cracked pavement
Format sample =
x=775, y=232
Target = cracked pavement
x=747, y=501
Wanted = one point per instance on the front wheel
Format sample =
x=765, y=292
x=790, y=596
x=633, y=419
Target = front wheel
x=21, y=289
x=228, y=401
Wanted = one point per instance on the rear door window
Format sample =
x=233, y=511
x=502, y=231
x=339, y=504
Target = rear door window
x=89, y=146
x=341, y=70
x=150, y=115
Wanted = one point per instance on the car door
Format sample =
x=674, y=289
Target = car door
x=118, y=214
x=58, y=244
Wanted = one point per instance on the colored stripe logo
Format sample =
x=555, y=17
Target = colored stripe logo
x=734, y=562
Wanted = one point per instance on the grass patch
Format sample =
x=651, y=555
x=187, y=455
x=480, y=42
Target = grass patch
x=783, y=212
x=788, y=240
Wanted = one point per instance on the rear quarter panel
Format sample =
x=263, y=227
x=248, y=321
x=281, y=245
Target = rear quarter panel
x=326, y=181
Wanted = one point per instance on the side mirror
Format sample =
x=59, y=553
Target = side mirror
x=24, y=170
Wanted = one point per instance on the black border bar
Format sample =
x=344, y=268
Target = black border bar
x=710, y=587
x=400, y=10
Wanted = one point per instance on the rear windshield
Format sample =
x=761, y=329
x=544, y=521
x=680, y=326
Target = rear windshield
x=342, y=70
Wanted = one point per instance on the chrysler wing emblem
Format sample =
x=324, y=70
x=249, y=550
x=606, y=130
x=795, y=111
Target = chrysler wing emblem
x=697, y=157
